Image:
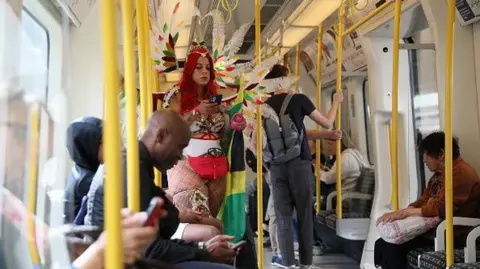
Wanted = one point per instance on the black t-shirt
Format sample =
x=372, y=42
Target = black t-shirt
x=299, y=107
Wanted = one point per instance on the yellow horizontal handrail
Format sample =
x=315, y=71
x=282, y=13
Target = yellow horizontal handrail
x=367, y=18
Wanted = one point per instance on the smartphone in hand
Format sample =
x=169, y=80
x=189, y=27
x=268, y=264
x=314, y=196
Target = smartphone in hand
x=238, y=245
x=154, y=212
x=217, y=99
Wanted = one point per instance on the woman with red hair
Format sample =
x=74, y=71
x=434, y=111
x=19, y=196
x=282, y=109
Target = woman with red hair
x=198, y=183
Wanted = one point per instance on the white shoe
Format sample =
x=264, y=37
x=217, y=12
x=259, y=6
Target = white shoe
x=309, y=267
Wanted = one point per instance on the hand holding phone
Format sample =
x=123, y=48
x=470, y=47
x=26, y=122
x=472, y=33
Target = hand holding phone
x=238, y=245
x=154, y=212
x=217, y=99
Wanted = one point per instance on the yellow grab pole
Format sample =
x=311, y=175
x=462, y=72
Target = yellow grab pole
x=394, y=153
x=448, y=132
x=319, y=98
x=297, y=67
x=139, y=6
x=338, y=159
x=390, y=146
x=131, y=104
x=368, y=17
x=111, y=138
x=156, y=88
x=259, y=144
x=148, y=59
x=32, y=182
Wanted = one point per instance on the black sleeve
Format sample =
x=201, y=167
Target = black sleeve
x=168, y=224
x=306, y=104
x=176, y=251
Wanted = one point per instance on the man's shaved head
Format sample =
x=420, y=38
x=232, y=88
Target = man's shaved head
x=165, y=137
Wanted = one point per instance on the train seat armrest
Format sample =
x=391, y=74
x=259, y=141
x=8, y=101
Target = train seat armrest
x=457, y=221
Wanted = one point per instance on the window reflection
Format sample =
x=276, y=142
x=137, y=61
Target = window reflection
x=34, y=54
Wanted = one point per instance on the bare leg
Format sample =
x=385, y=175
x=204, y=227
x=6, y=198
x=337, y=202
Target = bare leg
x=199, y=232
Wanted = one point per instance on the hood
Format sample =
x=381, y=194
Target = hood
x=84, y=136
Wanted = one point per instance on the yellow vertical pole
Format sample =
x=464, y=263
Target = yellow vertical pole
x=338, y=159
x=448, y=131
x=156, y=88
x=390, y=146
x=148, y=59
x=259, y=144
x=111, y=138
x=139, y=4
x=33, y=182
x=394, y=154
x=319, y=98
x=297, y=67
x=131, y=104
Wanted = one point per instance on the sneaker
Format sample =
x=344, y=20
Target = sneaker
x=309, y=267
x=277, y=261
x=317, y=251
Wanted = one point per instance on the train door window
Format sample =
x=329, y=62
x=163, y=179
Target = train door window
x=34, y=56
x=425, y=104
x=368, y=128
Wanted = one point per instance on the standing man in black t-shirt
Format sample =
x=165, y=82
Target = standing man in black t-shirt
x=291, y=181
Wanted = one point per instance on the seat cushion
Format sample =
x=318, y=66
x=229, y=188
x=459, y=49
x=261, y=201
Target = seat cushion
x=331, y=221
x=475, y=265
x=412, y=256
x=322, y=215
x=436, y=259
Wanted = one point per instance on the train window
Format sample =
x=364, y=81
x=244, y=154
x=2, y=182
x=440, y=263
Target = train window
x=368, y=128
x=425, y=105
x=34, y=56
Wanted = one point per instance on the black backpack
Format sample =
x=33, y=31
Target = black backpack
x=284, y=140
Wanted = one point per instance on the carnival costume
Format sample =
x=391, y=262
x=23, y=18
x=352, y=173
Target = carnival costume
x=212, y=178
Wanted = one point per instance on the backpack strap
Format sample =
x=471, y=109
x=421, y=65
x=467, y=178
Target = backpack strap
x=286, y=101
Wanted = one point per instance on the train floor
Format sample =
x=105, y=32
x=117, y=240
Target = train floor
x=327, y=261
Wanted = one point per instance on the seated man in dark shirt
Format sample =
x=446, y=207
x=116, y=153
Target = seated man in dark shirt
x=161, y=146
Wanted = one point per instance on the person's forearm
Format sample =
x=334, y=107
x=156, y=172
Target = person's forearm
x=92, y=258
x=332, y=113
x=412, y=212
x=315, y=135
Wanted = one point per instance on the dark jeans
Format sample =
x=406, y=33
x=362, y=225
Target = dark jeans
x=393, y=256
x=292, y=187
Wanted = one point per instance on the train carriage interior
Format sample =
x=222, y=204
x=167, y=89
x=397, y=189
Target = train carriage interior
x=407, y=69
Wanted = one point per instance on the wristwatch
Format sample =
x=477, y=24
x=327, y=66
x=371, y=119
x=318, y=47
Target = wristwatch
x=202, y=245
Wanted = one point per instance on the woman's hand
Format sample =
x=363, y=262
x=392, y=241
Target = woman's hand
x=393, y=216
x=190, y=216
x=206, y=108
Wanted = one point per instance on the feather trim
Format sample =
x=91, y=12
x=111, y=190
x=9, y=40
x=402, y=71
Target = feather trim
x=169, y=95
x=260, y=71
x=236, y=41
x=271, y=85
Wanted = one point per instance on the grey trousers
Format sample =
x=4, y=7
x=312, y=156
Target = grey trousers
x=292, y=188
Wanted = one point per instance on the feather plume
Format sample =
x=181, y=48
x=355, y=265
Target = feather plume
x=218, y=35
x=271, y=85
x=236, y=41
x=260, y=71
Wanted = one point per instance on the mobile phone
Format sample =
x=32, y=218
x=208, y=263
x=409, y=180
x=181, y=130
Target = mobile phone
x=154, y=212
x=216, y=99
x=238, y=244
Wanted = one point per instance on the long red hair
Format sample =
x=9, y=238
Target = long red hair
x=188, y=87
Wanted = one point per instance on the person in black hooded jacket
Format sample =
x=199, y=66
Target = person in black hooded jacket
x=84, y=144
